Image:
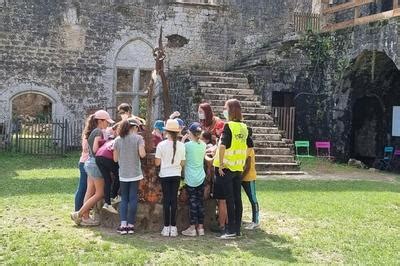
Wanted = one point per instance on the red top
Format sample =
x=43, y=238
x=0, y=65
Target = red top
x=156, y=139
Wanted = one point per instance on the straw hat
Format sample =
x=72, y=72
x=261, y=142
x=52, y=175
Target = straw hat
x=172, y=125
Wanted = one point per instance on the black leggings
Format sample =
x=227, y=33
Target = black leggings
x=170, y=186
x=106, y=167
x=232, y=191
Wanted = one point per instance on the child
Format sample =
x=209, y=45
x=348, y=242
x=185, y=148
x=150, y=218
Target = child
x=158, y=132
x=195, y=151
x=81, y=190
x=95, y=182
x=128, y=149
x=249, y=183
x=170, y=154
x=106, y=164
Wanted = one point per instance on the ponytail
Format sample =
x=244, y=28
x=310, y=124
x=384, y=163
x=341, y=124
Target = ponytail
x=124, y=128
x=90, y=124
x=174, y=136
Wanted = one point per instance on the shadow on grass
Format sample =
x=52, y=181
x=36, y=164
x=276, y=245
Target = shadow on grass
x=15, y=161
x=11, y=185
x=258, y=243
x=16, y=187
x=327, y=185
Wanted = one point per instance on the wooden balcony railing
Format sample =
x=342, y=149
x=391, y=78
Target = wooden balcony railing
x=357, y=19
x=307, y=22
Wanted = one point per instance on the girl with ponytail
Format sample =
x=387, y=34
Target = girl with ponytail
x=170, y=155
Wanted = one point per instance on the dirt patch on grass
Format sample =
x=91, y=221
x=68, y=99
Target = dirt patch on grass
x=349, y=175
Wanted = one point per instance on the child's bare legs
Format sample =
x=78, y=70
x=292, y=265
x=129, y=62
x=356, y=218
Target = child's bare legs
x=94, y=193
x=222, y=213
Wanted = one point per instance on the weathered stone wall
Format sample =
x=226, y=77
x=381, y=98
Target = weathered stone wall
x=69, y=48
x=319, y=70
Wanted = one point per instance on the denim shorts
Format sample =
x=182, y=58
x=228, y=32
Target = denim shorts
x=92, y=169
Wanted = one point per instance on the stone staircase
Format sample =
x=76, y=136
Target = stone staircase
x=274, y=154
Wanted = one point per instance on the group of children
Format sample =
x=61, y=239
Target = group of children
x=117, y=153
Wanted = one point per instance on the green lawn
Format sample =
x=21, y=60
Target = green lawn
x=302, y=222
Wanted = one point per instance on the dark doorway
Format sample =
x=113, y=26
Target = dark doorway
x=372, y=85
x=366, y=135
x=282, y=99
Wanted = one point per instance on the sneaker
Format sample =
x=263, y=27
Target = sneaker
x=252, y=226
x=173, y=231
x=109, y=208
x=130, y=230
x=90, y=222
x=200, y=231
x=165, y=231
x=122, y=230
x=116, y=200
x=222, y=231
x=189, y=232
x=228, y=236
x=75, y=217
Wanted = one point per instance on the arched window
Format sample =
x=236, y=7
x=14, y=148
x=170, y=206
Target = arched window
x=134, y=64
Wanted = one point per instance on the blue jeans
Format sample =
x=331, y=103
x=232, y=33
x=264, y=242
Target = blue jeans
x=129, y=198
x=81, y=190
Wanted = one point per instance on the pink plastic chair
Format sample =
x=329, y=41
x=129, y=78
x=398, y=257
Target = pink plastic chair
x=396, y=153
x=326, y=145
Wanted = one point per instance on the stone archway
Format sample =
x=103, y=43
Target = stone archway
x=34, y=105
x=370, y=90
x=58, y=111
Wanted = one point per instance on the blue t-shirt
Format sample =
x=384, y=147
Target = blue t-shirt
x=194, y=166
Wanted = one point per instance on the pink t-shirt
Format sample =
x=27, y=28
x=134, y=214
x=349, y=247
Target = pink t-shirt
x=85, y=151
x=106, y=150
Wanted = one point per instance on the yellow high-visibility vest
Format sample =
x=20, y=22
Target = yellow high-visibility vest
x=235, y=156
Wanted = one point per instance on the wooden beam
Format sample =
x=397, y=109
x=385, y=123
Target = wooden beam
x=363, y=20
x=345, y=6
x=338, y=26
x=395, y=4
x=357, y=12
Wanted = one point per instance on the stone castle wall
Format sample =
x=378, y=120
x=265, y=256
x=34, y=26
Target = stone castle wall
x=68, y=49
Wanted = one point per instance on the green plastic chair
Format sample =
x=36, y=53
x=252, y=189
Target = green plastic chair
x=302, y=144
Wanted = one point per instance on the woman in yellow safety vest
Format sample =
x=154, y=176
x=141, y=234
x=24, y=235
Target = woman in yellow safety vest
x=229, y=162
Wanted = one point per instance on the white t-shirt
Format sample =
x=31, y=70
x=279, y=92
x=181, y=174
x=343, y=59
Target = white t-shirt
x=165, y=152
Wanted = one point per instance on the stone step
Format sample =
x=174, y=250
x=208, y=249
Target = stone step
x=220, y=79
x=254, y=110
x=272, y=144
x=265, y=175
x=225, y=97
x=218, y=74
x=252, y=116
x=273, y=151
x=266, y=130
x=231, y=85
x=277, y=167
x=275, y=159
x=228, y=91
x=221, y=103
x=267, y=137
x=259, y=123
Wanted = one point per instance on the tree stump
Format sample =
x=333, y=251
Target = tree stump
x=149, y=217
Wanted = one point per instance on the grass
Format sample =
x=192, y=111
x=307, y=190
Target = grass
x=304, y=221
